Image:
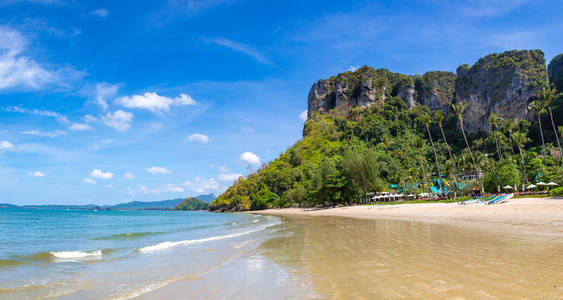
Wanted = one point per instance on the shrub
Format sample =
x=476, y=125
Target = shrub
x=556, y=192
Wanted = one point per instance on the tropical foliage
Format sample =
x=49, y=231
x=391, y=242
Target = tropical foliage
x=344, y=156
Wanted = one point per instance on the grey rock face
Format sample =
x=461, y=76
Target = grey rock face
x=555, y=72
x=436, y=90
x=502, y=83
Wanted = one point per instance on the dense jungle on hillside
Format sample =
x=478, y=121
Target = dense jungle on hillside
x=347, y=153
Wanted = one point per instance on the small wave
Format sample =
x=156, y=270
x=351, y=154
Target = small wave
x=167, y=245
x=76, y=254
x=10, y=262
x=126, y=236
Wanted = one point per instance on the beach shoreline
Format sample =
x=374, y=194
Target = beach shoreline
x=523, y=216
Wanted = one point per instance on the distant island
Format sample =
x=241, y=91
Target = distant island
x=192, y=204
x=171, y=204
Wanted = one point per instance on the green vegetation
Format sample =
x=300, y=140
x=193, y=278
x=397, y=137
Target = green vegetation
x=191, y=204
x=348, y=153
x=556, y=192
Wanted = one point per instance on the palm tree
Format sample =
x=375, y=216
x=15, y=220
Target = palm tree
x=418, y=143
x=494, y=121
x=387, y=140
x=549, y=95
x=509, y=126
x=520, y=139
x=426, y=120
x=458, y=109
x=538, y=108
x=439, y=119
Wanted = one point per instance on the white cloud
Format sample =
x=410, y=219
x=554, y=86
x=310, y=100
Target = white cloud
x=44, y=113
x=223, y=169
x=90, y=180
x=168, y=188
x=197, y=137
x=229, y=177
x=202, y=185
x=80, y=127
x=141, y=189
x=105, y=91
x=129, y=175
x=22, y=72
x=303, y=115
x=158, y=170
x=101, y=12
x=90, y=118
x=51, y=134
x=352, y=68
x=5, y=145
x=155, y=102
x=36, y=174
x=242, y=48
x=250, y=158
x=109, y=186
x=119, y=120
x=97, y=173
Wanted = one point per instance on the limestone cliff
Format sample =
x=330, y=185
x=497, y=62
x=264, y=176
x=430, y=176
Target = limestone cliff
x=436, y=90
x=503, y=83
x=359, y=88
x=555, y=71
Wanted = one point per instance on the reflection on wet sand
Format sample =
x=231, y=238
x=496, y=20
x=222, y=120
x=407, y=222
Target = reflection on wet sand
x=371, y=259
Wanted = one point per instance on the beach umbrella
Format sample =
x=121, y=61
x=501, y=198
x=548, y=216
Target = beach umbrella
x=507, y=187
x=551, y=183
x=541, y=183
x=531, y=186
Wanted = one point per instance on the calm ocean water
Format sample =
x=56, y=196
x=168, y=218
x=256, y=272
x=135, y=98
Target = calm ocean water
x=119, y=254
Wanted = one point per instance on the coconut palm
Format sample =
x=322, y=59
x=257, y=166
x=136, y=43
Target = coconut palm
x=425, y=118
x=387, y=140
x=537, y=107
x=509, y=126
x=439, y=119
x=458, y=108
x=418, y=143
x=549, y=94
x=520, y=139
x=494, y=122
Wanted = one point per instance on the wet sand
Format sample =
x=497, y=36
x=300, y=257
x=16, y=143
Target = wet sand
x=529, y=216
x=348, y=258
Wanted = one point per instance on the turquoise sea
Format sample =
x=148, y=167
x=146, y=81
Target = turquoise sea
x=70, y=254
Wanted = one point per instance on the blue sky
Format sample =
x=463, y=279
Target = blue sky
x=111, y=101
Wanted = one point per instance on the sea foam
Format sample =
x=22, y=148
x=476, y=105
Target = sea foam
x=168, y=245
x=75, y=254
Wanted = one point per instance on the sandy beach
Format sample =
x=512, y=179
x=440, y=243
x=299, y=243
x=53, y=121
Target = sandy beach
x=529, y=216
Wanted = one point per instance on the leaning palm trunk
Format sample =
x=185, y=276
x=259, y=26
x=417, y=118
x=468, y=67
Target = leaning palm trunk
x=556, y=135
x=434, y=149
x=496, y=143
x=449, y=151
x=471, y=154
x=523, y=165
x=394, y=164
x=542, y=142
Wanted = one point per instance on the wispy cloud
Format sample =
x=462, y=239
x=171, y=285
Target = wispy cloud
x=119, y=120
x=51, y=134
x=36, y=174
x=202, y=185
x=241, y=48
x=80, y=127
x=101, y=12
x=158, y=170
x=21, y=72
x=97, y=173
x=44, y=113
